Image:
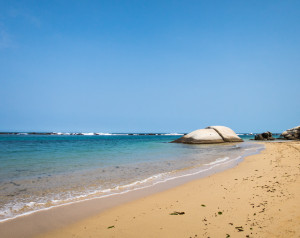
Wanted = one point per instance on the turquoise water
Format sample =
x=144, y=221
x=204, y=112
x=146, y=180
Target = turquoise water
x=41, y=171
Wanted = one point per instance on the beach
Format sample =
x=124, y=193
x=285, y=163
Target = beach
x=258, y=198
x=150, y=119
x=39, y=172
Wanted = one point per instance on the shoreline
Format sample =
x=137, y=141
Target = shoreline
x=60, y=228
x=41, y=221
x=165, y=180
x=69, y=175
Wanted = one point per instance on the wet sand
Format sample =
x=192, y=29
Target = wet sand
x=258, y=198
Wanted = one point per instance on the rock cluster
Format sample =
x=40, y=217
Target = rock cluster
x=264, y=136
x=292, y=134
x=210, y=135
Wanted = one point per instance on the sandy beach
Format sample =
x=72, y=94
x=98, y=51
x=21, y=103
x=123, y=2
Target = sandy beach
x=258, y=198
x=149, y=119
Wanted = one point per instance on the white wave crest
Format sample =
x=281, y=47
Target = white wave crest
x=173, y=134
x=218, y=161
x=103, y=134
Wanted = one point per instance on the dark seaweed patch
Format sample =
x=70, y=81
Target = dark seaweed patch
x=177, y=213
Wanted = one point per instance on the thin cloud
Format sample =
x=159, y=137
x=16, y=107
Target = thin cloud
x=5, y=40
x=22, y=13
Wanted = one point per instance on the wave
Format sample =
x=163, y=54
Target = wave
x=173, y=134
x=103, y=134
x=89, y=134
x=221, y=160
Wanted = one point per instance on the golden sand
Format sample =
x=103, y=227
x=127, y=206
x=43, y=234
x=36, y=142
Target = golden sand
x=258, y=198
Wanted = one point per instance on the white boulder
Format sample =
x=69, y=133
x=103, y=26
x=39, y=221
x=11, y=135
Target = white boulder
x=226, y=133
x=210, y=135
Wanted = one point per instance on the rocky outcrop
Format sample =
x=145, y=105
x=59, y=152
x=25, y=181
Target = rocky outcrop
x=292, y=134
x=210, y=135
x=264, y=136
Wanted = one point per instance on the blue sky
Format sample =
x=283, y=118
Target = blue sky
x=143, y=66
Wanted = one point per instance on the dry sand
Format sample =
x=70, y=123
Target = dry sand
x=258, y=198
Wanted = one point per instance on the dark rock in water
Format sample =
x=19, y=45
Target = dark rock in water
x=259, y=137
x=292, y=134
x=41, y=133
x=264, y=136
x=9, y=133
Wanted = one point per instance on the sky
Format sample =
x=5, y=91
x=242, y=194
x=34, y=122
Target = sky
x=149, y=66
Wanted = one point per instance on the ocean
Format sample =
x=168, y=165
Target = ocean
x=42, y=171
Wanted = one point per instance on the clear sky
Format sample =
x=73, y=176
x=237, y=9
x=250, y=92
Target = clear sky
x=149, y=66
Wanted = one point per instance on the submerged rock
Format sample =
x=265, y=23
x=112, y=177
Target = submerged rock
x=292, y=134
x=210, y=135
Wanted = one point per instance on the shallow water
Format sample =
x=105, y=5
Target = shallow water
x=40, y=171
